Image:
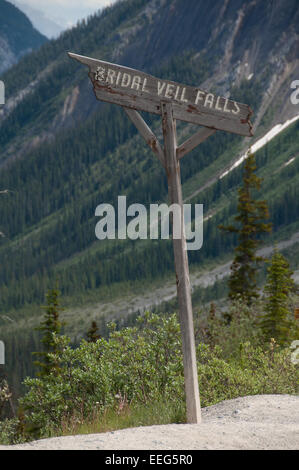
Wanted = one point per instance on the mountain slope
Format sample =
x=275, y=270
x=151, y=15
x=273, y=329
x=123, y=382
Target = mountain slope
x=62, y=153
x=144, y=34
x=58, y=143
x=17, y=35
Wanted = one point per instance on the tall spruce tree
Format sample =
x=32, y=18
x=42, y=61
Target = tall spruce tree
x=93, y=333
x=275, y=323
x=250, y=224
x=51, y=324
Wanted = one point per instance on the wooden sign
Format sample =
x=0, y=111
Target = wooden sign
x=136, y=91
x=133, y=89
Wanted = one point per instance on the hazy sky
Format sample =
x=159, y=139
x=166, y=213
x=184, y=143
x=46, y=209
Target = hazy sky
x=66, y=12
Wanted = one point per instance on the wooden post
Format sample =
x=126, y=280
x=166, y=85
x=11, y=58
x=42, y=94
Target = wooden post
x=136, y=91
x=181, y=267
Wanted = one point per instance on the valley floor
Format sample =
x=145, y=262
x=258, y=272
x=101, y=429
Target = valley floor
x=154, y=296
x=254, y=422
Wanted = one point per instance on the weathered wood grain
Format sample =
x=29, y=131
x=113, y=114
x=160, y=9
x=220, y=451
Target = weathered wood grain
x=136, y=90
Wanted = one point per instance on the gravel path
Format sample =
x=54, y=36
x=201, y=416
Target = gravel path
x=253, y=422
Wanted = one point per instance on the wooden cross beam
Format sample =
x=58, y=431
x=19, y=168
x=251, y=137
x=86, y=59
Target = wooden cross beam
x=146, y=133
x=194, y=141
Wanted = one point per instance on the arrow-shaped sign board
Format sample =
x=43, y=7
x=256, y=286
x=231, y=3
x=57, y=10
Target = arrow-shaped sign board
x=137, y=90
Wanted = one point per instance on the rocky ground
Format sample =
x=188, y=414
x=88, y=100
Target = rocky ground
x=253, y=422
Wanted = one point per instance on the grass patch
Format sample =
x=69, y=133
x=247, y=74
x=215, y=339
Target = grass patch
x=129, y=416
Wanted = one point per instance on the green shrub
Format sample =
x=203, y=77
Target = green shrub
x=256, y=371
x=10, y=432
x=142, y=366
x=242, y=326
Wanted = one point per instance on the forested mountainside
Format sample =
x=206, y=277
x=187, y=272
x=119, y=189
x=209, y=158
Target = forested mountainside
x=17, y=35
x=62, y=152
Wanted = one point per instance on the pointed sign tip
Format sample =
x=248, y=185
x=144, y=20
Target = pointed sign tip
x=81, y=58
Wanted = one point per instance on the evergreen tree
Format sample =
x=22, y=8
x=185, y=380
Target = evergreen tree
x=250, y=225
x=49, y=326
x=5, y=396
x=93, y=334
x=275, y=323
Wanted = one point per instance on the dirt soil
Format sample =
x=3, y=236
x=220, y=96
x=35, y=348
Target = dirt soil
x=253, y=422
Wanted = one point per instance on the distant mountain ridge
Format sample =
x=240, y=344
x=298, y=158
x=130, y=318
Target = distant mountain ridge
x=17, y=35
x=40, y=21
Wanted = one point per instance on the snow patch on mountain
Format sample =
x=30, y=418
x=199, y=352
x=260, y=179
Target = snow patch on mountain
x=260, y=143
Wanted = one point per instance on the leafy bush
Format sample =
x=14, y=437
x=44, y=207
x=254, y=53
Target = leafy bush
x=257, y=371
x=9, y=432
x=142, y=365
x=238, y=324
x=5, y=395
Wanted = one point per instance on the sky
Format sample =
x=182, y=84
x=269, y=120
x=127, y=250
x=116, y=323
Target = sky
x=65, y=13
